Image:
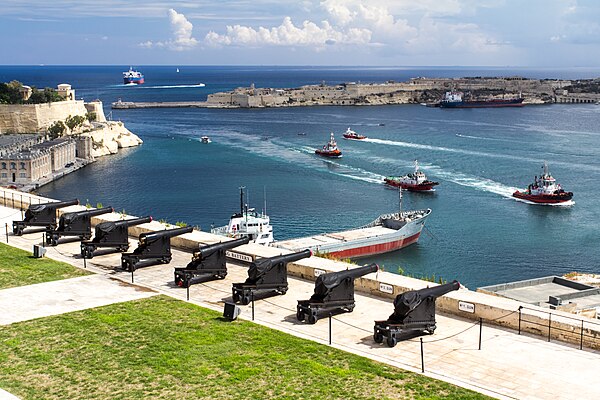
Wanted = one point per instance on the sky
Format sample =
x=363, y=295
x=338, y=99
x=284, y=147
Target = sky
x=522, y=33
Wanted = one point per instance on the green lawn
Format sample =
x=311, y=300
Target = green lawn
x=19, y=268
x=161, y=348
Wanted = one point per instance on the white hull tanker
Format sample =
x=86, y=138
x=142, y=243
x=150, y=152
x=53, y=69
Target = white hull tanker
x=387, y=233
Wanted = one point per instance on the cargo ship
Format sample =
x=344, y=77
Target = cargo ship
x=455, y=100
x=133, y=77
x=389, y=232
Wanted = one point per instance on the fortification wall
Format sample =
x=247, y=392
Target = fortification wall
x=36, y=118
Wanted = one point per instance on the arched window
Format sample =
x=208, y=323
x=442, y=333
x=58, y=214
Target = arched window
x=13, y=165
x=22, y=165
x=3, y=165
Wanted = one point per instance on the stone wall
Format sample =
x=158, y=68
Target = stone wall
x=34, y=118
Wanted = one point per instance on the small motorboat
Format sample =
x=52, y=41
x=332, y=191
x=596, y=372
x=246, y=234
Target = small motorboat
x=544, y=190
x=350, y=134
x=415, y=181
x=330, y=149
x=205, y=139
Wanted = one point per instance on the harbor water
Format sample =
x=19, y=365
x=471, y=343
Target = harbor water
x=477, y=233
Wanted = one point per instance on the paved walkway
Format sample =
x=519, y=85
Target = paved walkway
x=507, y=366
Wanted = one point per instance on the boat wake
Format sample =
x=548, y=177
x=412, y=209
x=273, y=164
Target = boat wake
x=476, y=182
x=174, y=86
x=568, y=203
x=460, y=135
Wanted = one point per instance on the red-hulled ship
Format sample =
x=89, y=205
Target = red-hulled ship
x=415, y=181
x=330, y=149
x=544, y=190
x=350, y=134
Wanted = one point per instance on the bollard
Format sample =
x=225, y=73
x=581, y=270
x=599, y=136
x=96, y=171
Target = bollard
x=252, y=297
x=188, y=292
x=480, y=331
x=6, y=226
x=131, y=275
x=330, y=329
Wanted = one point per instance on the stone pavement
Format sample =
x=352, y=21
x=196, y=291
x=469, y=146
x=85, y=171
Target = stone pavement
x=507, y=366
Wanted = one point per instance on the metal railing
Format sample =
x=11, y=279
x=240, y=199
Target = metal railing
x=595, y=339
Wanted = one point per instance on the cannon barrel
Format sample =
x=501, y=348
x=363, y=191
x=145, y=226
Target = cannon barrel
x=72, y=216
x=406, y=302
x=212, y=248
x=330, y=280
x=133, y=221
x=262, y=266
x=56, y=204
x=152, y=236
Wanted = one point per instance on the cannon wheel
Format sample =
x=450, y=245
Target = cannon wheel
x=18, y=231
x=89, y=254
x=123, y=249
x=378, y=337
x=312, y=319
x=221, y=276
x=430, y=330
x=300, y=316
x=391, y=341
x=245, y=300
x=236, y=297
x=54, y=240
x=283, y=291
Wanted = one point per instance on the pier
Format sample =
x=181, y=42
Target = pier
x=118, y=105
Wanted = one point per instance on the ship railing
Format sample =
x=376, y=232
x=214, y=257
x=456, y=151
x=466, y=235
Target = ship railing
x=220, y=230
x=410, y=215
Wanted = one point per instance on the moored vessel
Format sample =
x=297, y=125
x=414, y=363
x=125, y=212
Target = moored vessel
x=455, y=100
x=330, y=149
x=415, y=181
x=350, y=134
x=133, y=76
x=544, y=190
x=247, y=223
x=389, y=232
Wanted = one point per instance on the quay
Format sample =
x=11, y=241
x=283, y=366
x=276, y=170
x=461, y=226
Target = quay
x=506, y=365
x=118, y=105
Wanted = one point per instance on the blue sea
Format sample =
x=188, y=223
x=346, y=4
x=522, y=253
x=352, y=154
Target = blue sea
x=476, y=233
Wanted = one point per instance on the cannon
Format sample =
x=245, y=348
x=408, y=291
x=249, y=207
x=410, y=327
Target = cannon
x=333, y=292
x=111, y=234
x=208, y=261
x=266, y=274
x=154, y=248
x=77, y=223
x=41, y=215
x=414, y=311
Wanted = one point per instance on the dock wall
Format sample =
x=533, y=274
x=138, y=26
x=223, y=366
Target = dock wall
x=490, y=309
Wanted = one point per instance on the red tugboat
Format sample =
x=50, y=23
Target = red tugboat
x=544, y=190
x=330, y=149
x=415, y=181
x=350, y=134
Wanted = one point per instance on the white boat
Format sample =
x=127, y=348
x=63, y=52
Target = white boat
x=205, y=139
x=247, y=223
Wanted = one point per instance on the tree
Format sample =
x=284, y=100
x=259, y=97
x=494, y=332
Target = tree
x=74, y=122
x=56, y=129
x=91, y=116
x=10, y=93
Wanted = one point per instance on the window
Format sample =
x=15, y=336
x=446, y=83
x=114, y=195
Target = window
x=13, y=165
x=22, y=165
x=22, y=175
x=4, y=175
x=3, y=165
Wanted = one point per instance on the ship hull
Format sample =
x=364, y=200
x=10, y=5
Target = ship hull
x=137, y=81
x=328, y=154
x=544, y=199
x=483, y=104
x=353, y=137
x=362, y=242
x=423, y=187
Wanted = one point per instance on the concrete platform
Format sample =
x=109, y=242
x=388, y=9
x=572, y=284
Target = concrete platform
x=507, y=366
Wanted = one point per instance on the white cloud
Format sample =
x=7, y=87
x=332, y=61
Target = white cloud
x=182, y=34
x=287, y=34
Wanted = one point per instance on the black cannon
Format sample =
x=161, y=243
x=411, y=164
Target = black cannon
x=207, y=262
x=41, y=215
x=111, y=234
x=333, y=292
x=77, y=223
x=414, y=311
x=266, y=274
x=154, y=248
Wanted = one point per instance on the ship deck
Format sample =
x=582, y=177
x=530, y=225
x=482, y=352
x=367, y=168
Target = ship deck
x=334, y=238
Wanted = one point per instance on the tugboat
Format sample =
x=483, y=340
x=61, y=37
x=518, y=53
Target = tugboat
x=350, y=134
x=544, y=190
x=415, y=181
x=247, y=223
x=330, y=149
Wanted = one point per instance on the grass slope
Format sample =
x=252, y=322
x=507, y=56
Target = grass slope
x=161, y=348
x=19, y=268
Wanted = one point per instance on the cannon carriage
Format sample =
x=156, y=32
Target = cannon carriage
x=154, y=248
x=334, y=292
x=41, y=215
x=414, y=311
x=209, y=263
x=266, y=275
x=77, y=223
x=111, y=234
